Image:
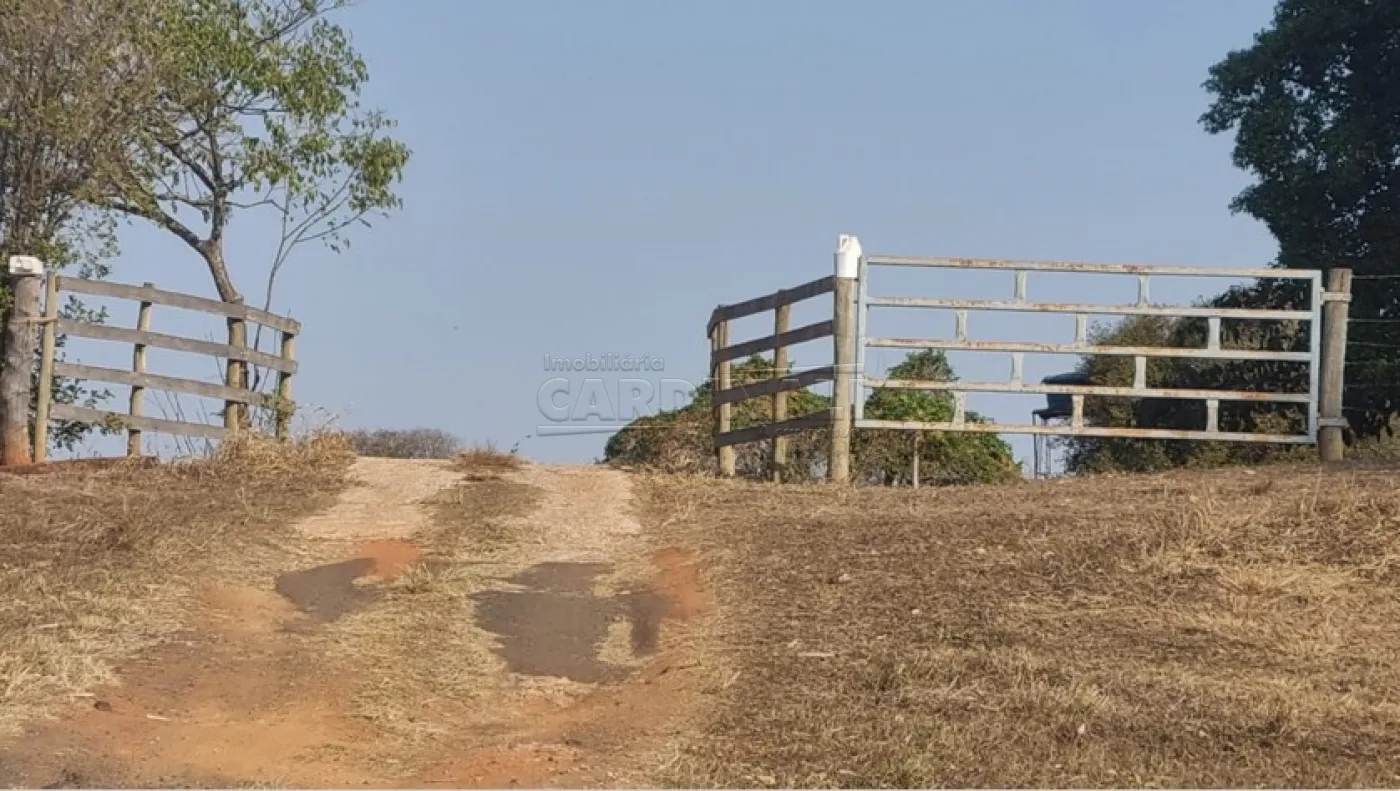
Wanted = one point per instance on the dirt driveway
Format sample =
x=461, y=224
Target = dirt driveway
x=419, y=633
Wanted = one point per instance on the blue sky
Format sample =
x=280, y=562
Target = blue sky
x=596, y=177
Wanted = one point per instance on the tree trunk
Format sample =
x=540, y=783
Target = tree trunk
x=213, y=252
x=236, y=415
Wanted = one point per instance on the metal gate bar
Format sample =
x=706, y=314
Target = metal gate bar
x=1020, y=302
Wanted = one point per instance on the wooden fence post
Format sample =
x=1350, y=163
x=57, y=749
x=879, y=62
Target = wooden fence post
x=284, y=387
x=17, y=367
x=782, y=317
x=137, y=406
x=1335, y=308
x=235, y=374
x=46, y=353
x=720, y=382
x=848, y=254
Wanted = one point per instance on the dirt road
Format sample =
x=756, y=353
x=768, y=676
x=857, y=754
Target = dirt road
x=388, y=645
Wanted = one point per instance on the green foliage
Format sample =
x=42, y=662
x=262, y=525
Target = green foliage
x=935, y=405
x=86, y=250
x=680, y=440
x=260, y=109
x=70, y=103
x=886, y=456
x=1088, y=454
x=1313, y=106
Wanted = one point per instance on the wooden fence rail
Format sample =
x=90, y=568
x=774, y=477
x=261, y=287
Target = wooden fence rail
x=233, y=391
x=726, y=393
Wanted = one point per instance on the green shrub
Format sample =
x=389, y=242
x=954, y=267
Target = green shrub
x=1086, y=454
x=681, y=440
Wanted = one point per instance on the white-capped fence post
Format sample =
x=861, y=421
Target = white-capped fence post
x=848, y=255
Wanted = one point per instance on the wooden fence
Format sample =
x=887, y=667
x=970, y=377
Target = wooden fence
x=234, y=392
x=726, y=394
x=1325, y=316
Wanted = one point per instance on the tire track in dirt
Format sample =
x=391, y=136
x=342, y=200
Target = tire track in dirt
x=585, y=618
x=590, y=624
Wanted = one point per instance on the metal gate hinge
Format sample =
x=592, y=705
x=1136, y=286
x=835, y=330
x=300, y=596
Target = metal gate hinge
x=1335, y=296
x=1333, y=422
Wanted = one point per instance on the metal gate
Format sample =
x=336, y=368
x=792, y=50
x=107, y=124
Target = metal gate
x=1021, y=301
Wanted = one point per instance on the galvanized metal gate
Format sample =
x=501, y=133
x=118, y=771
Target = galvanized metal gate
x=1021, y=301
x=851, y=289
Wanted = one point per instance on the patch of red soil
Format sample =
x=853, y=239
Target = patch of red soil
x=390, y=557
x=216, y=709
x=243, y=610
x=679, y=581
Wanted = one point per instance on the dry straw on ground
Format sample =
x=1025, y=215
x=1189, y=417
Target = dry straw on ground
x=486, y=459
x=97, y=564
x=1204, y=629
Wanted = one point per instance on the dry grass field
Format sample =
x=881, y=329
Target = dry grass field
x=96, y=564
x=536, y=625
x=1206, y=629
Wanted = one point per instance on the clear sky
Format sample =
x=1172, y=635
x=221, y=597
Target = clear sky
x=595, y=177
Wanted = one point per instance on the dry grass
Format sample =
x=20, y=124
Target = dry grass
x=486, y=460
x=421, y=643
x=97, y=564
x=1202, y=629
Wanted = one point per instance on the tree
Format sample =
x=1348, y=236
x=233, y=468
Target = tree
x=259, y=108
x=1313, y=104
x=71, y=96
x=73, y=91
x=886, y=456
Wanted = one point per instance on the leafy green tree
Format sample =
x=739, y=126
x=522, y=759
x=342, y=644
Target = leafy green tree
x=1100, y=454
x=259, y=109
x=1313, y=104
x=886, y=456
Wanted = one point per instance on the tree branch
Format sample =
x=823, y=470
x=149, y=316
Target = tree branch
x=176, y=151
x=164, y=220
x=218, y=210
